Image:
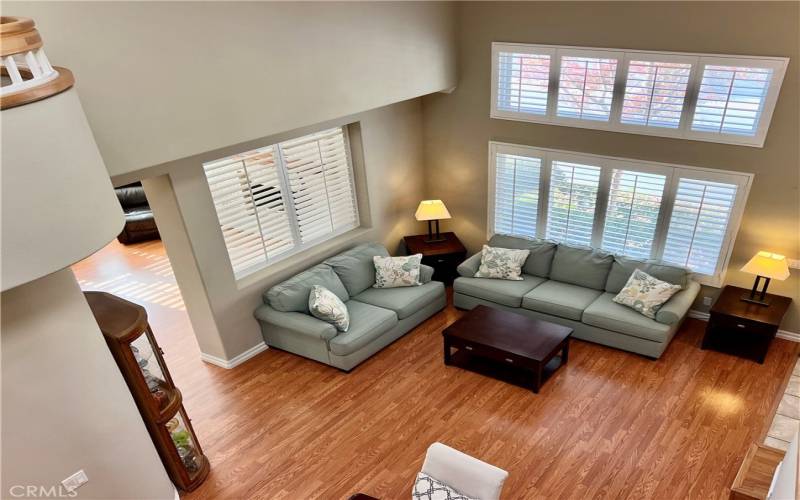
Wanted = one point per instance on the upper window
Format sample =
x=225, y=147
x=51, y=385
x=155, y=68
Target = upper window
x=692, y=96
x=681, y=215
x=277, y=200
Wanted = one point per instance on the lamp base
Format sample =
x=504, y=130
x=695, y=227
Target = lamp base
x=755, y=300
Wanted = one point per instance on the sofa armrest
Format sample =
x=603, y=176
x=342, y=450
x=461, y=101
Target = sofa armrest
x=300, y=323
x=674, y=310
x=469, y=267
x=425, y=274
x=465, y=474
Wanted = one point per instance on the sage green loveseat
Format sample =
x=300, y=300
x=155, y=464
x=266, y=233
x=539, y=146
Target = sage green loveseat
x=378, y=316
x=574, y=286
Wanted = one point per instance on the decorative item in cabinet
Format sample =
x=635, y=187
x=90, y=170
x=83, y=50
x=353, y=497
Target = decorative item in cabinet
x=131, y=341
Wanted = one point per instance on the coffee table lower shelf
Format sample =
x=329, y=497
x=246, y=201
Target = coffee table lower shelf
x=527, y=373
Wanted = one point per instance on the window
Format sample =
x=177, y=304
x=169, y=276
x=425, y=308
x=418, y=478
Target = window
x=697, y=227
x=275, y=201
x=731, y=99
x=655, y=92
x=572, y=200
x=681, y=215
x=525, y=78
x=516, y=182
x=634, y=204
x=723, y=99
x=586, y=87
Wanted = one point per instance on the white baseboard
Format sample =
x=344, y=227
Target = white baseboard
x=236, y=360
x=782, y=334
x=177, y=495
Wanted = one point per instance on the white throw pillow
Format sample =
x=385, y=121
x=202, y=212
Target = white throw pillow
x=393, y=272
x=325, y=305
x=428, y=488
x=502, y=263
x=645, y=293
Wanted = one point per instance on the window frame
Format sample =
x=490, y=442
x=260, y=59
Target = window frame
x=607, y=164
x=284, y=184
x=698, y=61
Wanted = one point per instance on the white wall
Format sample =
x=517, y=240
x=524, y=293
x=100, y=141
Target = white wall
x=390, y=172
x=162, y=81
x=65, y=404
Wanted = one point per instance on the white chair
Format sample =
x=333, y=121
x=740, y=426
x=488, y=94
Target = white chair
x=460, y=472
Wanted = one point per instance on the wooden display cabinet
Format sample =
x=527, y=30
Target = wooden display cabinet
x=131, y=341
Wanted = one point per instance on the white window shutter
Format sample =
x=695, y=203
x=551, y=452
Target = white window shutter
x=523, y=82
x=731, y=99
x=699, y=224
x=634, y=204
x=586, y=87
x=318, y=169
x=248, y=200
x=516, y=196
x=571, y=202
x=655, y=92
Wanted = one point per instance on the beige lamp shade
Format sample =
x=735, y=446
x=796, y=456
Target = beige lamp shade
x=768, y=264
x=431, y=210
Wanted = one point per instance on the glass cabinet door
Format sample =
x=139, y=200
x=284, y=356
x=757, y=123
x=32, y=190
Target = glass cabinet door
x=184, y=441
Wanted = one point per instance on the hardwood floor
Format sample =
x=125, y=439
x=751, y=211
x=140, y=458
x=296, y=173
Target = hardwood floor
x=607, y=425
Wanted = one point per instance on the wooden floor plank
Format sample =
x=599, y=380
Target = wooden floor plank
x=610, y=424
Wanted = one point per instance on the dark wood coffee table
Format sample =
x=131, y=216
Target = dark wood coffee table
x=491, y=341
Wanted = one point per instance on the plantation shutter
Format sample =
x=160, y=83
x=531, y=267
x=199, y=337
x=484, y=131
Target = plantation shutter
x=586, y=87
x=320, y=179
x=655, y=93
x=248, y=199
x=516, y=206
x=698, y=225
x=731, y=99
x=634, y=203
x=571, y=202
x=523, y=81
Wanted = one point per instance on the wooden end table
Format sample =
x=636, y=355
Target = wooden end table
x=743, y=328
x=492, y=341
x=443, y=256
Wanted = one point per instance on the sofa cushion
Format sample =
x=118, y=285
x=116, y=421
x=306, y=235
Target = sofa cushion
x=292, y=294
x=605, y=313
x=623, y=267
x=355, y=266
x=367, y=323
x=404, y=301
x=540, y=258
x=560, y=299
x=507, y=293
x=581, y=266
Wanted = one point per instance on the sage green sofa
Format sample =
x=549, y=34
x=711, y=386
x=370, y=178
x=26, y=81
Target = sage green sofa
x=378, y=316
x=574, y=286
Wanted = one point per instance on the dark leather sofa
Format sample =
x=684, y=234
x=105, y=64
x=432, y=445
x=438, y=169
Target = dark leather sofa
x=140, y=225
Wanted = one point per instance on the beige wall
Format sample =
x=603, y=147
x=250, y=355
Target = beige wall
x=162, y=81
x=390, y=172
x=458, y=127
x=65, y=404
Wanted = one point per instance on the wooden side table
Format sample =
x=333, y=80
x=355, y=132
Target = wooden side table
x=443, y=256
x=743, y=328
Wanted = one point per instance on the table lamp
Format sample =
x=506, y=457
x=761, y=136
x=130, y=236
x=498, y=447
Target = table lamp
x=432, y=210
x=766, y=265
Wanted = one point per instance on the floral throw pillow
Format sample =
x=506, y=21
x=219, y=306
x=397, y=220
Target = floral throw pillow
x=428, y=488
x=325, y=305
x=645, y=293
x=393, y=272
x=502, y=263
